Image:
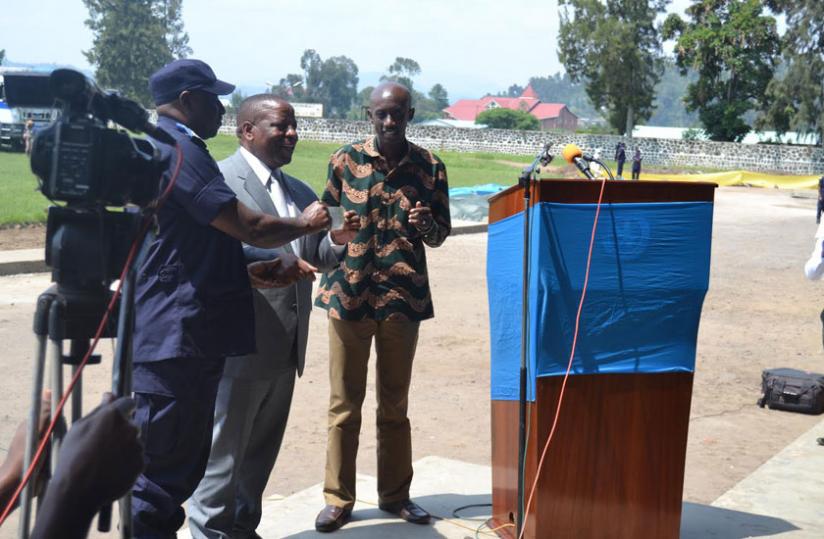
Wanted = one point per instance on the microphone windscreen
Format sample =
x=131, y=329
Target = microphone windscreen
x=570, y=152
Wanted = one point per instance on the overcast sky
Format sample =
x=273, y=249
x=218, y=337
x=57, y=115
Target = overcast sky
x=470, y=46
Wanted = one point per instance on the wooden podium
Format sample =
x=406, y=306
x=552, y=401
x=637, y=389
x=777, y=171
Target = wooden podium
x=616, y=464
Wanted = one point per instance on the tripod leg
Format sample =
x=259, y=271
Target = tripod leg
x=78, y=348
x=57, y=394
x=32, y=436
x=77, y=396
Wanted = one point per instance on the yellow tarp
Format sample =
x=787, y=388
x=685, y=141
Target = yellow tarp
x=742, y=177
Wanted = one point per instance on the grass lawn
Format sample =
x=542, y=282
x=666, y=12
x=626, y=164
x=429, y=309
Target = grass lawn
x=20, y=202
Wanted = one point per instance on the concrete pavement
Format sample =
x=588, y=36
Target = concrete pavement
x=783, y=499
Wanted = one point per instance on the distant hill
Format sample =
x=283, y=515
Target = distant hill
x=670, y=110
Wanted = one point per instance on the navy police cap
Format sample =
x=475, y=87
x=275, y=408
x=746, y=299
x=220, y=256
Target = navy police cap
x=186, y=74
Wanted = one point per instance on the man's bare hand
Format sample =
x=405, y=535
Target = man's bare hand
x=316, y=216
x=421, y=218
x=100, y=458
x=282, y=271
x=349, y=229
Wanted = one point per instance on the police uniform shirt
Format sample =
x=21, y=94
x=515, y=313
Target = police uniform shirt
x=192, y=297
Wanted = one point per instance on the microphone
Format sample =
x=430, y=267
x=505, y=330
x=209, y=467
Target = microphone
x=574, y=156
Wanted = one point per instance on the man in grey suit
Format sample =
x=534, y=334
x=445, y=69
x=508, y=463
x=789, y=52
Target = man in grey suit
x=255, y=392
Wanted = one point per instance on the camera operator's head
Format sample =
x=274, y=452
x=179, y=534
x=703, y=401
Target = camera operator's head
x=187, y=90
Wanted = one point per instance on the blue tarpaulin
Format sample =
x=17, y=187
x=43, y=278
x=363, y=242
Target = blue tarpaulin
x=648, y=278
x=485, y=189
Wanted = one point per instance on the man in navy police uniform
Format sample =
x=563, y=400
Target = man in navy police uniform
x=193, y=297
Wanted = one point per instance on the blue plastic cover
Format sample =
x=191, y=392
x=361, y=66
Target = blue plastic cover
x=485, y=189
x=649, y=274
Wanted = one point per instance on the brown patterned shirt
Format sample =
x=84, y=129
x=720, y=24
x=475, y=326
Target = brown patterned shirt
x=383, y=275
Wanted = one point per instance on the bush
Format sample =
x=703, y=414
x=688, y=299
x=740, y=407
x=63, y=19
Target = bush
x=508, y=119
x=693, y=134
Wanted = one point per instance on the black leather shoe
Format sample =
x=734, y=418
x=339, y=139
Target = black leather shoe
x=407, y=510
x=332, y=518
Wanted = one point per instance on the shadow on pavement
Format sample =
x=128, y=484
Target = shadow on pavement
x=706, y=522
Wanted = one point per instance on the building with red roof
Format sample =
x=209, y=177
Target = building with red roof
x=551, y=115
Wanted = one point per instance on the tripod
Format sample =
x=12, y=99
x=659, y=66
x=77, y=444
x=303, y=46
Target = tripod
x=73, y=312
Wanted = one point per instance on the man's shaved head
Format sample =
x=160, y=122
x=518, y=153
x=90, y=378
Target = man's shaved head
x=390, y=110
x=253, y=108
x=391, y=90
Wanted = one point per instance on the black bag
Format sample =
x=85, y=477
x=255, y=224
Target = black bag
x=792, y=390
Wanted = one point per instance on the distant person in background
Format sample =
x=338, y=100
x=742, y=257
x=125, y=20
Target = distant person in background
x=28, y=135
x=814, y=267
x=636, y=164
x=620, y=158
x=820, y=206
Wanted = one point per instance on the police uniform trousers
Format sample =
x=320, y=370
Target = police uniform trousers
x=175, y=412
x=349, y=346
x=250, y=419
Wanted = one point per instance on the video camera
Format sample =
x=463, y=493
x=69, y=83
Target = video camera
x=79, y=159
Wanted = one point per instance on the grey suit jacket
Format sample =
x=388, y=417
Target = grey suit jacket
x=281, y=314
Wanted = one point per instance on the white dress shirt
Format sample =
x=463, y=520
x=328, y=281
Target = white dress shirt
x=814, y=268
x=281, y=198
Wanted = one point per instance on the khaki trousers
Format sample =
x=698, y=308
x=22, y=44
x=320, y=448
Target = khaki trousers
x=349, y=346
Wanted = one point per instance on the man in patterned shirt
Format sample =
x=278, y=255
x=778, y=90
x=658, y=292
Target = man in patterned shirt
x=380, y=291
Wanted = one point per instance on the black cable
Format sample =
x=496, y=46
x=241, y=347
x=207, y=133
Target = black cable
x=470, y=506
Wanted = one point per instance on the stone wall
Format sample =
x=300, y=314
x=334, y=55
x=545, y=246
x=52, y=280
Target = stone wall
x=808, y=160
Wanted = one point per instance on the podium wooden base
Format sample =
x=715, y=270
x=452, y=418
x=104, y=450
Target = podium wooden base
x=615, y=467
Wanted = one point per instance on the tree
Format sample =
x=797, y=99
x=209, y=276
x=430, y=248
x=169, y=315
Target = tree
x=338, y=85
x=733, y=48
x=502, y=118
x=358, y=110
x=235, y=100
x=402, y=71
x=670, y=107
x=2, y=55
x=290, y=88
x=176, y=37
x=132, y=39
x=513, y=91
x=614, y=47
x=333, y=82
x=439, y=95
x=560, y=88
x=796, y=99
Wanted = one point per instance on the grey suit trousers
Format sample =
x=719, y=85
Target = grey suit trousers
x=250, y=419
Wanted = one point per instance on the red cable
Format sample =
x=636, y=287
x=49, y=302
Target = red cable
x=103, y=321
x=569, y=365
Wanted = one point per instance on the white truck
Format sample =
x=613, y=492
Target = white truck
x=13, y=119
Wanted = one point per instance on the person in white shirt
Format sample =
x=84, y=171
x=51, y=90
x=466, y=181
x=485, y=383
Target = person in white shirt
x=255, y=392
x=814, y=267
